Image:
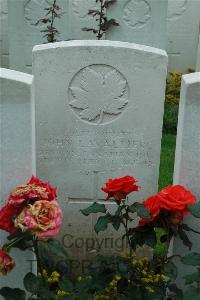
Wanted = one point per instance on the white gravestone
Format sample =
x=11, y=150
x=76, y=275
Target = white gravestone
x=16, y=152
x=95, y=102
x=198, y=58
x=182, y=33
x=141, y=21
x=187, y=160
x=4, y=47
x=23, y=34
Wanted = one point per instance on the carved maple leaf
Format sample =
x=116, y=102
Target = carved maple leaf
x=137, y=13
x=98, y=94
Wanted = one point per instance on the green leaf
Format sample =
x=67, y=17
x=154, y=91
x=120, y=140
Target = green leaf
x=102, y=223
x=191, y=259
x=12, y=294
x=191, y=294
x=116, y=222
x=184, y=238
x=170, y=270
x=176, y=291
x=195, y=209
x=190, y=278
x=54, y=247
x=32, y=283
x=66, y=285
x=140, y=209
x=93, y=209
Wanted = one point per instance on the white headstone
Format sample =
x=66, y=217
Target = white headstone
x=198, y=58
x=4, y=48
x=141, y=21
x=182, y=33
x=16, y=152
x=187, y=160
x=95, y=101
x=23, y=34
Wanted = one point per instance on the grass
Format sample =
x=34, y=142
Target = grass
x=167, y=159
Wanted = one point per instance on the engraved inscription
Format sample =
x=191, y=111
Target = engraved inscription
x=81, y=8
x=176, y=9
x=34, y=10
x=137, y=13
x=98, y=94
x=97, y=151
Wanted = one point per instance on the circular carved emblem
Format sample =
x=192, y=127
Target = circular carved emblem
x=98, y=94
x=137, y=13
x=34, y=10
x=176, y=9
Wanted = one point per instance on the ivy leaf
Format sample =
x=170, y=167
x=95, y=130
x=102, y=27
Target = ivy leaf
x=12, y=294
x=94, y=208
x=191, y=278
x=184, y=238
x=170, y=270
x=191, y=259
x=195, y=209
x=102, y=223
x=191, y=293
x=66, y=285
x=32, y=283
x=140, y=209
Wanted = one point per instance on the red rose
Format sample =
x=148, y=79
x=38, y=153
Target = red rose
x=119, y=188
x=6, y=262
x=35, y=189
x=153, y=205
x=176, y=198
x=172, y=199
x=7, y=215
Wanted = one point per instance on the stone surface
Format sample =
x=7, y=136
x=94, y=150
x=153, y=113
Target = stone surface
x=23, y=34
x=141, y=21
x=198, y=58
x=187, y=162
x=16, y=153
x=4, y=47
x=182, y=33
x=95, y=101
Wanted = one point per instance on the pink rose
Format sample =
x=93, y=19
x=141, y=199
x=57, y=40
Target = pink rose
x=43, y=218
x=34, y=190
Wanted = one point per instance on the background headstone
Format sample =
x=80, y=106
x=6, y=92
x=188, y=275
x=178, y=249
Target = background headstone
x=187, y=159
x=198, y=58
x=95, y=101
x=23, y=34
x=16, y=152
x=141, y=21
x=183, y=33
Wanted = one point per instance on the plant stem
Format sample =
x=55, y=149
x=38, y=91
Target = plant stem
x=100, y=20
x=39, y=265
x=125, y=224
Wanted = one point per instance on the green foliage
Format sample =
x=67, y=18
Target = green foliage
x=170, y=119
x=93, y=209
x=173, y=86
x=191, y=259
x=12, y=294
x=140, y=210
x=192, y=293
x=195, y=209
